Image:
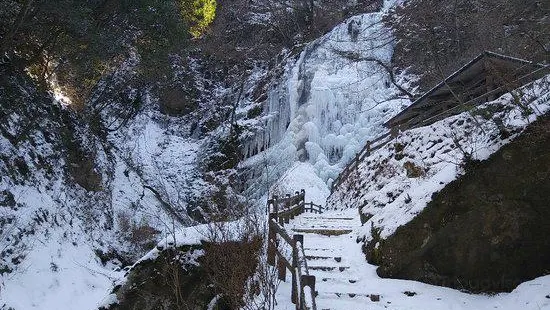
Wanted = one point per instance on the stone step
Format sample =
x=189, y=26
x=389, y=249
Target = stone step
x=329, y=268
x=344, y=300
x=334, y=275
x=320, y=257
x=326, y=263
x=321, y=231
x=321, y=226
x=334, y=295
x=324, y=252
x=317, y=249
x=327, y=218
x=337, y=281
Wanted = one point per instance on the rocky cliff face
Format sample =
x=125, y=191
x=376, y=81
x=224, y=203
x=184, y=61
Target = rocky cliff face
x=88, y=191
x=485, y=232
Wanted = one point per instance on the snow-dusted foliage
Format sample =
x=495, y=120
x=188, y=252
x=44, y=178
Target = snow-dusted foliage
x=84, y=193
x=50, y=222
x=327, y=103
x=396, y=182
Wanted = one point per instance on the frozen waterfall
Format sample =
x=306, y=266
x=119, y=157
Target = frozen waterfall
x=328, y=103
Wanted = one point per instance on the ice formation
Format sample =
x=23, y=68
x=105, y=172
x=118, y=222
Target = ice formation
x=331, y=101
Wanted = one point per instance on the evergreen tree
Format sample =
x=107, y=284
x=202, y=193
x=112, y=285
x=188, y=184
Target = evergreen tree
x=81, y=42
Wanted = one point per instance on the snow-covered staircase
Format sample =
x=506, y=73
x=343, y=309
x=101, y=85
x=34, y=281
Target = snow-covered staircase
x=344, y=280
x=334, y=258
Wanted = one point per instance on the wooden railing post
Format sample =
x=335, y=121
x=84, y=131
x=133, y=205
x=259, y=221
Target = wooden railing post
x=281, y=269
x=308, y=280
x=295, y=289
x=367, y=148
x=271, y=239
x=394, y=131
x=275, y=205
x=303, y=200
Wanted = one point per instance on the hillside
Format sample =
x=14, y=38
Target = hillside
x=140, y=140
x=484, y=232
x=438, y=205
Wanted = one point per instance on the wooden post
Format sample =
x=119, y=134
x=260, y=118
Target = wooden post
x=367, y=148
x=298, y=238
x=281, y=269
x=490, y=86
x=281, y=221
x=275, y=205
x=307, y=280
x=295, y=289
x=394, y=131
x=489, y=79
x=303, y=199
x=272, y=237
x=287, y=202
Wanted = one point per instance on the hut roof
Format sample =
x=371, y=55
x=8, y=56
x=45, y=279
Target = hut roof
x=469, y=71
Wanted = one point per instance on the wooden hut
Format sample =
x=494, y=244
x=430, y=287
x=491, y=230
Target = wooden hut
x=483, y=79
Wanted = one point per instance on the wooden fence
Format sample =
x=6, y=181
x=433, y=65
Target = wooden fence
x=425, y=120
x=281, y=210
x=369, y=147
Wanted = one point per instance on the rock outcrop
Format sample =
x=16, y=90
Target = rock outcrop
x=484, y=232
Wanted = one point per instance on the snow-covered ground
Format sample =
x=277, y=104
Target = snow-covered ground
x=384, y=185
x=58, y=274
x=381, y=188
x=335, y=287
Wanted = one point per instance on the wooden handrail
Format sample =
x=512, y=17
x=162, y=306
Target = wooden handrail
x=420, y=120
x=303, y=284
x=313, y=207
x=369, y=147
x=281, y=232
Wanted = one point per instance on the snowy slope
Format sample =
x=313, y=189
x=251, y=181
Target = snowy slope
x=382, y=188
x=51, y=234
x=58, y=274
x=55, y=235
